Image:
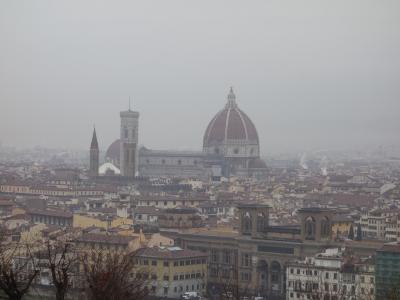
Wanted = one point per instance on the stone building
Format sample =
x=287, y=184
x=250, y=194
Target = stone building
x=129, y=133
x=330, y=275
x=230, y=147
x=179, y=218
x=258, y=253
x=172, y=271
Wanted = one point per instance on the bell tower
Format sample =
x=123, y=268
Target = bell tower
x=94, y=156
x=129, y=142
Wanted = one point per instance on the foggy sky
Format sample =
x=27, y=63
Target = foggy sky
x=310, y=74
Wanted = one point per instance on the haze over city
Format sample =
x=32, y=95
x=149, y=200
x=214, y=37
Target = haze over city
x=310, y=74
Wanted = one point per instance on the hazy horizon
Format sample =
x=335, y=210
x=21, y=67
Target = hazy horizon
x=309, y=74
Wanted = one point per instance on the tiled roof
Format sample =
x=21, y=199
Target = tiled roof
x=105, y=239
x=52, y=213
x=169, y=253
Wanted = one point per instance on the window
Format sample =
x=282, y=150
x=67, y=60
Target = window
x=146, y=262
x=154, y=263
x=165, y=291
x=153, y=277
x=181, y=277
x=176, y=277
x=245, y=259
x=226, y=256
x=182, y=263
x=166, y=278
x=213, y=272
x=334, y=275
x=327, y=275
x=326, y=287
x=179, y=162
x=291, y=271
x=166, y=264
x=245, y=276
x=214, y=255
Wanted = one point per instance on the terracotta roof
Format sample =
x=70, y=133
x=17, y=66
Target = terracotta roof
x=230, y=123
x=105, y=239
x=392, y=247
x=170, y=253
x=54, y=213
x=149, y=210
x=6, y=203
x=112, y=152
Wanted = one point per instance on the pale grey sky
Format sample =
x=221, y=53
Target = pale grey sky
x=310, y=74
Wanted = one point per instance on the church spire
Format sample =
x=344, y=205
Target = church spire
x=231, y=98
x=94, y=144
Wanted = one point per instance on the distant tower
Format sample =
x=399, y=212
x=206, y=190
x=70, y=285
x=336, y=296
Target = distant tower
x=94, y=156
x=129, y=142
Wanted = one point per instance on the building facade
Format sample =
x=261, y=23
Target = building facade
x=172, y=271
x=230, y=148
x=258, y=253
x=388, y=272
x=330, y=275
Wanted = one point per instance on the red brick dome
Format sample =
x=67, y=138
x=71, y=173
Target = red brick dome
x=112, y=153
x=231, y=123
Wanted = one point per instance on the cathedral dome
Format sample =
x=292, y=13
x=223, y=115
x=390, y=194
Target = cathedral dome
x=112, y=153
x=231, y=126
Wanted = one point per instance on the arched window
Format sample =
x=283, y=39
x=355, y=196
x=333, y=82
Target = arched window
x=310, y=228
x=261, y=222
x=246, y=223
x=275, y=272
x=325, y=227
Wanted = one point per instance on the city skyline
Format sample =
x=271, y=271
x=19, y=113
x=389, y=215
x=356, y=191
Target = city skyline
x=306, y=80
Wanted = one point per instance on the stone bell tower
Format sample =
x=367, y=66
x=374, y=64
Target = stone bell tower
x=129, y=142
x=94, y=156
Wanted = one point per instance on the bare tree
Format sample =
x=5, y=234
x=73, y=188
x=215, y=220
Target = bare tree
x=229, y=284
x=109, y=276
x=62, y=261
x=17, y=270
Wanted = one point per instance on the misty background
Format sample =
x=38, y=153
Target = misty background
x=310, y=74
